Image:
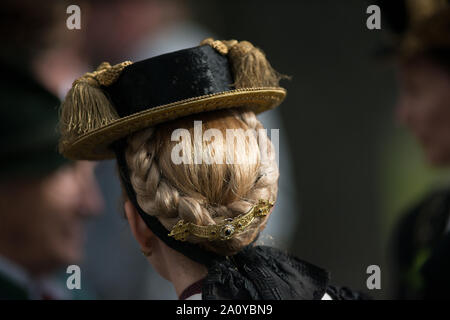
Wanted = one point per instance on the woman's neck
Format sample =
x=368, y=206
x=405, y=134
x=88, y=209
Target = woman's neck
x=182, y=271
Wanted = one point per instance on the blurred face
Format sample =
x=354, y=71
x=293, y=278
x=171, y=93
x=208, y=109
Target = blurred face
x=43, y=220
x=424, y=107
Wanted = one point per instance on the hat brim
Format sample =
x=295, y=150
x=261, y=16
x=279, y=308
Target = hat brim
x=95, y=145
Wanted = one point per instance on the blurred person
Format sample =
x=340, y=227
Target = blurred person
x=196, y=223
x=42, y=230
x=422, y=237
x=44, y=199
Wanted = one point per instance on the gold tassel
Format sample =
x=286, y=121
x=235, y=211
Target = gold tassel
x=250, y=67
x=86, y=107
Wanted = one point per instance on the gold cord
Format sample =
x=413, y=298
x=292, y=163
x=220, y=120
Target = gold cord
x=105, y=75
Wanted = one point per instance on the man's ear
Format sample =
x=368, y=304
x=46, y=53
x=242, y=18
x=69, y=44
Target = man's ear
x=138, y=227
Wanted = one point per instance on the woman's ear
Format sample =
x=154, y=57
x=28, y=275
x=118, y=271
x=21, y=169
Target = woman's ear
x=141, y=232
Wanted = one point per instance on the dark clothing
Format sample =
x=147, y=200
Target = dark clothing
x=265, y=273
x=11, y=291
x=422, y=249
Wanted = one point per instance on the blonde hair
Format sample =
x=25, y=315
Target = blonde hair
x=204, y=194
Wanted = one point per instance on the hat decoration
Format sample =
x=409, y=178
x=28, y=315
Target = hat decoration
x=86, y=107
x=115, y=101
x=249, y=64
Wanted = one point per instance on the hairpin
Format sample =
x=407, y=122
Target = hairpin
x=224, y=231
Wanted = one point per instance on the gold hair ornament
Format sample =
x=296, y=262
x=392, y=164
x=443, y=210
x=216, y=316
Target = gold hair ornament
x=225, y=230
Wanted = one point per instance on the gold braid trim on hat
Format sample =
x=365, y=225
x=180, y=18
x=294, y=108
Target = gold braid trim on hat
x=86, y=107
x=105, y=74
x=249, y=65
x=224, y=231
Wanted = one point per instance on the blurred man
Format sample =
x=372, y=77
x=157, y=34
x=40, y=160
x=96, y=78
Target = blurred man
x=422, y=240
x=44, y=200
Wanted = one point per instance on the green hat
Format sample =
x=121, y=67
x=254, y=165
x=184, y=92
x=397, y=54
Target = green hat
x=28, y=125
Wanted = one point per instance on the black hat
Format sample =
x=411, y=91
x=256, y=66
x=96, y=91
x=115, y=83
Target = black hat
x=115, y=101
x=28, y=117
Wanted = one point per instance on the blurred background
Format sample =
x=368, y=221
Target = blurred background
x=348, y=170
